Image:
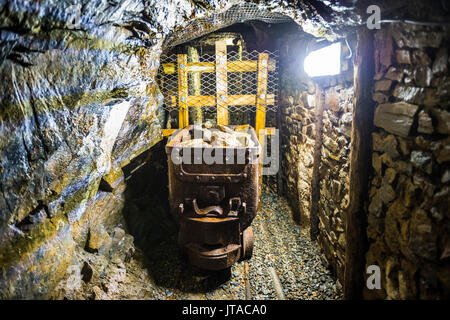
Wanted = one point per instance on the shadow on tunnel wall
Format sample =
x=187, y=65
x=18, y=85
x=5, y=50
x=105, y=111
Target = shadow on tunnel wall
x=155, y=231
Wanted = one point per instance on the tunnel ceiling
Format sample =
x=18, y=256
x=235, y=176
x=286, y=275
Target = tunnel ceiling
x=329, y=19
x=153, y=21
x=315, y=17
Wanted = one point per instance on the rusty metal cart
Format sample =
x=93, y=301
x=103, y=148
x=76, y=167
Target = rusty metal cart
x=215, y=204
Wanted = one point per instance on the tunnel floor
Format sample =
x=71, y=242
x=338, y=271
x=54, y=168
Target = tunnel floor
x=158, y=272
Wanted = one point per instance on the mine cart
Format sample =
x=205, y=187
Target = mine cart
x=214, y=202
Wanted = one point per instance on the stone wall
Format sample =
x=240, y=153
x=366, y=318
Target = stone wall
x=408, y=216
x=297, y=147
x=334, y=169
x=297, y=127
x=298, y=138
x=76, y=103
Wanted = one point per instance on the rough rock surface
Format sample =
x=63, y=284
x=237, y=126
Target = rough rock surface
x=395, y=117
x=334, y=172
x=408, y=221
x=79, y=101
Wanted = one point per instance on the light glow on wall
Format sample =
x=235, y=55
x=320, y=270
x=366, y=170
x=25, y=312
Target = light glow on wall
x=324, y=62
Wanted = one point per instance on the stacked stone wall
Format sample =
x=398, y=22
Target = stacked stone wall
x=408, y=214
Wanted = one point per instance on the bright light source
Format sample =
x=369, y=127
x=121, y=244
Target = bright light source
x=324, y=62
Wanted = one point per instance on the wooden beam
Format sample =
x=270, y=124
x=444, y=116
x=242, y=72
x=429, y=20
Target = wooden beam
x=201, y=101
x=199, y=67
x=183, y=115
x=174, y=102
x=221, y=82
x=242, y=66
x=202, y=67
x=248, y=66
x=194, y=84
x=241, y=100
x=261, y=103
x=168, y=68
x=360, y=167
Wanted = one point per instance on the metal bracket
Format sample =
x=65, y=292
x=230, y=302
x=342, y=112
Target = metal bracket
x=203, y=212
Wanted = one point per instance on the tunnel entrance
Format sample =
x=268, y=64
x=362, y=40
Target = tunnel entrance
x=280, y=223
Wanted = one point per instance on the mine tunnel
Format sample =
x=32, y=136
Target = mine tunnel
x=340, y=110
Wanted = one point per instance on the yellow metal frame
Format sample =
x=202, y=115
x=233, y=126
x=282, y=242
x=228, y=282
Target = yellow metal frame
x=183, y=119
x=209, y=67
x=222, y=100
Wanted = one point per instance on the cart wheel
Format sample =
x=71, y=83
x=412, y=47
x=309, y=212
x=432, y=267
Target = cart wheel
x=247, y=243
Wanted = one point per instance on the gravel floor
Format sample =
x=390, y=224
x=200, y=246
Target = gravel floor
x=283, y=245
x=156, y=271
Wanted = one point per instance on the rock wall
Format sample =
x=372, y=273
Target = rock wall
x=78, y=100
x=297, y=147
x=297, y=127
x=408, y=216
x=334, y=169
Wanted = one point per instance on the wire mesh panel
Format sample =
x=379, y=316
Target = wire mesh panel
x=228, y=85
x=240, y=12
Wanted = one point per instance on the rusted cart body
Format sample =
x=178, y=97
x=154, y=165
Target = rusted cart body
x=214, y=204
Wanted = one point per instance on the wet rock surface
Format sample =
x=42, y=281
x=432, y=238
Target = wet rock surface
x=158, y=272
